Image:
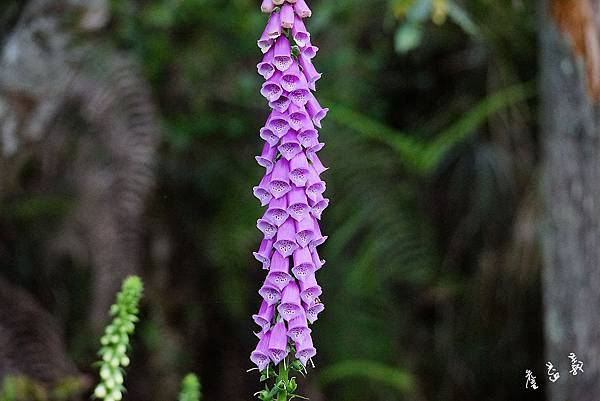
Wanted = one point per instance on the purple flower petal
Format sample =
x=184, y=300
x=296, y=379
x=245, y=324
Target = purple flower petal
x=264, y=317
x=299, y=170
x=303, y=264
x=317, y=164
x=268, y=135
x=298, y=328
x=281, y=104
x=286, y=238
x=312, y=151
x=265, y=67
x=279, y=275
x=267, y=6
x=318, y=206
x=289, y=146
x=267, y=157
x=299, y=32
x=260, y=356
x=319, y=239
x=277, y=211
x=309, y=70
x=317, y=261
x=314, y=185
x=265, y=42
x=273, y=28
x=309, y=289
x=291, y=78
x=278, y=343
x=270, y=293
x=308, y=136
x=278, y=123
x=315, y=111
x=287, y=15
x=305, y=350
x=261, y=191
x=298, y=117
x=298, y=207
x=282, y=56
x=271, y=89
x=312, y=312
x=305, y=231
x=301, y=95
x=267, y=228
x=301, y=8
x=310, y=51
x=280, y=181
x=291, y=305
x=264, y=253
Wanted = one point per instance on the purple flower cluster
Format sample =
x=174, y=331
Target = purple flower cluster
x=292, y=189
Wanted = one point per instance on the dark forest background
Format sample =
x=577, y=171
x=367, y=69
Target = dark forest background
x=129, y=130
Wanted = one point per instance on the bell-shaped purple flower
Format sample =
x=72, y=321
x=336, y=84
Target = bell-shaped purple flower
x=298, y=207
x=278, y=343
x=264, y=253
x=298, y=328
x=312, y=312
x=305, y=350
x=279, y=274
x=286, y=238
x=280, y=180
x=303, y=264
x=309, y=289
x=277, y=212
x=301, y=9
x=264, y=316
x=260, y=356
x=291, y=304
x=305, y=231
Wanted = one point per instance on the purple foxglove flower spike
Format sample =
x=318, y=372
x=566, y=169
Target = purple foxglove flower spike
x=287, y=16
x=303, y=264
x=309, y=289
x=260, y=356
x=286, y=238
x=279, y=274
x=298, y=328
x=298, y=207
x=277, y=212
x=278, y=343
x=299, y=169
x=291, y=304
x=291, y=192
x=305, y=350
x=290, y=146
x=265, y=251
x=280, y=181
x=305, y=231
x=264, y=317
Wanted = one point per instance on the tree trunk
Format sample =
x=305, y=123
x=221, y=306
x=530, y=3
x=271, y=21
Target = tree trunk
x=570, y=135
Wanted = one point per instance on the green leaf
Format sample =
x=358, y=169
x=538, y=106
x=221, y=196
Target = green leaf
x=408, y=37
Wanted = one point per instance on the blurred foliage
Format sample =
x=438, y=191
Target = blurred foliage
x=190, y=388
x=430, y=283
x=20, y=388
